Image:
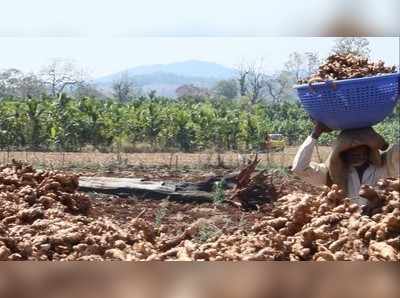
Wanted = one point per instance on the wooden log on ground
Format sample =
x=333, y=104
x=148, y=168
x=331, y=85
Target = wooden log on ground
x=207, y=185
x=144, y=189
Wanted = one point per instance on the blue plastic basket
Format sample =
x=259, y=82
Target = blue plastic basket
x=353, y=103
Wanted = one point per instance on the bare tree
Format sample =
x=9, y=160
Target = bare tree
x=31, y=86
x=242, y=71
x=60, y=74
x=190, y=90
x=123, y=88
x=9, y=79
x=14, y=82
x=312, y=62
x=251, y=80
x=302, y=65
x=352, y=45
x=278, y=86
x=295, y=64
x=256, y=81
x=88, y=90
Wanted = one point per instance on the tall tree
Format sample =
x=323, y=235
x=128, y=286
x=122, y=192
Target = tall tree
x=152, y=94
x=256, y=81
x=295, y=64
x=278, y=86
x=30, y=86
x=226, y=88
x=313, y=62
x=242, y=72
x=60, y=74
x=88, y=90
x=15, y=83
x=302, y=65
x=352, y=45
x=123, y=88
x=191, y=90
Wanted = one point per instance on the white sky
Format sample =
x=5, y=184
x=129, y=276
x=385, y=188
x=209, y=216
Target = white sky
x=101, y=56
x=123, y=18
x=105, y=36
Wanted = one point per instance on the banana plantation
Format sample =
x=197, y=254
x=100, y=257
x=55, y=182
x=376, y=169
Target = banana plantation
x=157, y=124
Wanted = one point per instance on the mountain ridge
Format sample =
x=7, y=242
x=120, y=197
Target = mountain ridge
x=196, y=72
x=193, y=68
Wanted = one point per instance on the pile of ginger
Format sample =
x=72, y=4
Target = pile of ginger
x=347, y=66
x=302, y=227
x=44, y=217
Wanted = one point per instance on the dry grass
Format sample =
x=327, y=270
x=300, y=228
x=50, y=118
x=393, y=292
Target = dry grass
x=172, y=160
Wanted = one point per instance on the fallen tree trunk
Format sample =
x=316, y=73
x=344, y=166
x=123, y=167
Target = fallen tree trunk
x=184, y=192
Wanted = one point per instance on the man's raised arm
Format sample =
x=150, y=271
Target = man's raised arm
x=311, y=172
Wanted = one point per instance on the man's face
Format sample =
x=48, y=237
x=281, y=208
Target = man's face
x=357, y=156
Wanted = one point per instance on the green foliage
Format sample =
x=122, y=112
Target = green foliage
x=227, y=88
x=71, y=124
x=219, y=192
x=206, y=232
x=159, y=216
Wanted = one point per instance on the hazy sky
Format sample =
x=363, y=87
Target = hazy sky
x=128, y=18
x=100, y=56
x=105, y=36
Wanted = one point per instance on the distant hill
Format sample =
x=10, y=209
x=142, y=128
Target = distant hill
x=165, y=78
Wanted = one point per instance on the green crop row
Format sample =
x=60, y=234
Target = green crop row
x=158, y=124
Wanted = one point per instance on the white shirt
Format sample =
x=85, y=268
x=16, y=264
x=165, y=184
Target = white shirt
x=317, y=173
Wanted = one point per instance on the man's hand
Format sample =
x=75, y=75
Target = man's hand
x=319, y=128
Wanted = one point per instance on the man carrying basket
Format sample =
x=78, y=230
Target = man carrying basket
x=359, y=156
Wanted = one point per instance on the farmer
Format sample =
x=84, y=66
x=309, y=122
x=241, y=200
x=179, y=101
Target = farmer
x=358, y=157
